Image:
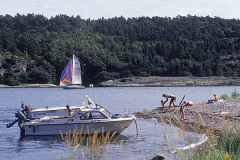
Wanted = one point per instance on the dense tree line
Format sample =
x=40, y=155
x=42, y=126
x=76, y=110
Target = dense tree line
x=116, y=47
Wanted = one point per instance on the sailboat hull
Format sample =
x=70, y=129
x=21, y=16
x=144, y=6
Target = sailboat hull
x=74, y=87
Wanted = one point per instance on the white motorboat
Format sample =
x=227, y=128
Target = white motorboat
x=88, y=118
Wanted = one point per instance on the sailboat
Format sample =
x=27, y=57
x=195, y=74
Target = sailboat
x=71, y=77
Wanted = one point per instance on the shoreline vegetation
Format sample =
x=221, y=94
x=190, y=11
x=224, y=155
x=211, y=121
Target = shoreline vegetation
x=152, y=81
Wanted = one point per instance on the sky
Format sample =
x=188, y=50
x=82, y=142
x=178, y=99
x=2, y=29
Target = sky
x=95, y=9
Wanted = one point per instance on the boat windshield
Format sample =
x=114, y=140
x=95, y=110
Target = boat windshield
x=109, y=114
x=92, y=115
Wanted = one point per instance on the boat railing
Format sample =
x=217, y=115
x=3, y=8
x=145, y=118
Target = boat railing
x=91, y=101
x=128, y=114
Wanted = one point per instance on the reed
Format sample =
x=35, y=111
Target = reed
x=87, y=146
x=227, y=147
x=223, y=146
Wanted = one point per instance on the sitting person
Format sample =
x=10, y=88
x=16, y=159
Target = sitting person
x=215, y=98
x=70, y=111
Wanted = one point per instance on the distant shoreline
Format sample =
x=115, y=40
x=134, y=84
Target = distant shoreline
x=153, y=81
x=31, y=86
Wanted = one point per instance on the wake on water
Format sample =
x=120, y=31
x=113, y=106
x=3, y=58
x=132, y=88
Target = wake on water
x=203, y=139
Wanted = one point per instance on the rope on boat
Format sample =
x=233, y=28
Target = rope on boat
x=124, y=111
x=136, y=128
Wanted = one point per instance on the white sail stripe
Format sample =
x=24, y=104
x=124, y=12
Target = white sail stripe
x=76, y=75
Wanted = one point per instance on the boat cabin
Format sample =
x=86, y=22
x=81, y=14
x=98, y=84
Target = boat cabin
x=95, y=114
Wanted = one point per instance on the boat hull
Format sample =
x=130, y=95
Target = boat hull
x=90, y=127
x=73, y=87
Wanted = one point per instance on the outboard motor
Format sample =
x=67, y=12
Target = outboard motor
x=21, y=117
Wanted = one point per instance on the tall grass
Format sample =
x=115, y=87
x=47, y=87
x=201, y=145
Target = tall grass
x=227, y=147
x=87, y=146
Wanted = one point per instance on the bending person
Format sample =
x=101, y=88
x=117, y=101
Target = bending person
x=172, y=101
x=184, y=104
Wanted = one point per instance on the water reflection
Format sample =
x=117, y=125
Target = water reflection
x=58, y=139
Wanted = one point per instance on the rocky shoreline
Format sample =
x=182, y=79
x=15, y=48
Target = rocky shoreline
x=199, y=118
x=155, y=81
x=31, y=86
x=152, y=81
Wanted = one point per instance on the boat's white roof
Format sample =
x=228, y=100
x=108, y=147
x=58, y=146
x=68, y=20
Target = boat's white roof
x=84, y=108
x=55, y=108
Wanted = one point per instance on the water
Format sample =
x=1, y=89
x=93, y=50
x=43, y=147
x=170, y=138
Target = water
x=147, y=144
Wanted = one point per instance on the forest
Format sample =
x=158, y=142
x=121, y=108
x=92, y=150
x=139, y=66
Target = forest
x=35, y=49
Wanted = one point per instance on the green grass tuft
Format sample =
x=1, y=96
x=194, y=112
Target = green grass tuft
x=235, y=94
x=224, y=97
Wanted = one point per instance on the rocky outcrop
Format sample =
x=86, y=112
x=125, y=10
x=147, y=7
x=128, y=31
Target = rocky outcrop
x=232, y=61
x=12, y=62
x=170, y=81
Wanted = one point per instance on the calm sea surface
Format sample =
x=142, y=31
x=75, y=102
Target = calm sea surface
x=147, y=144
